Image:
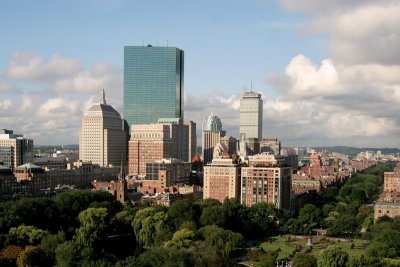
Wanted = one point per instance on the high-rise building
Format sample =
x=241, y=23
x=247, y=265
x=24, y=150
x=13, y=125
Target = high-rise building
x=183, y=135
x=251, y=115
x=212, y=134
x=192, y=139
x=266, y=184
x=153, y=83
x=102, y=139
x=221, y=179
x=15, y=149
x=148, y=143
x=262, y=182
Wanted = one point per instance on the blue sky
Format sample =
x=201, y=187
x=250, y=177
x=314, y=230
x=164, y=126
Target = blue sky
x=307, y=59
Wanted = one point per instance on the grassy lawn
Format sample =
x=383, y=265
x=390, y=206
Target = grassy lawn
x=287, y=247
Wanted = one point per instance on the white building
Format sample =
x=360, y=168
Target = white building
x=102, y=139
x=251, y=115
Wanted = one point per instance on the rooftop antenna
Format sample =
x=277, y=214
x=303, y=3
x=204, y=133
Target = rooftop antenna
x=103, y=98
x=251, y=85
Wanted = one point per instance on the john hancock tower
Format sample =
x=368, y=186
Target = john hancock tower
x=153, y=83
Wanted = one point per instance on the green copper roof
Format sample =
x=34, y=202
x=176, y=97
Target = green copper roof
x=29, y=166
x=4, y=168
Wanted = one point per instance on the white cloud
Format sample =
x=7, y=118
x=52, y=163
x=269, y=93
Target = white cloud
x=58, y=108
x=5, y=88
x=26, y=103
x=5, y=104
x=51, y=111
x=30, y=66
x=90, y=84
x=308, y=80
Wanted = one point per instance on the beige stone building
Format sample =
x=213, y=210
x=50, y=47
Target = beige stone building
x=221, y=179
x=390, y=209
x=148, y=143
x=102, y=139
x=392, y=181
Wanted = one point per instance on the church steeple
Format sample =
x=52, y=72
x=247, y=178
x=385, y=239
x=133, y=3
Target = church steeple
x=103, y=98
x=121, y=184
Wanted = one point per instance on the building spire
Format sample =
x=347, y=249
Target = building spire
x=103, y=98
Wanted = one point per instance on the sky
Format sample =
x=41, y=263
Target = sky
x=328, y=71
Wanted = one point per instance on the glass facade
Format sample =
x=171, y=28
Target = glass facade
x=7, y=156
x=153, y=83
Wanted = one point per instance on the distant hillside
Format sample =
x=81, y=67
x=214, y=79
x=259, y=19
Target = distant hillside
x=353, y=151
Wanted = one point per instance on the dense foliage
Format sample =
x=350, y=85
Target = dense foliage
x=85, y=228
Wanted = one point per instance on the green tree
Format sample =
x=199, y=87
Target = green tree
x=71, y=203
x=380, y=250
x=225, y=240
x=180, y=211
x=94, y=222
x=310, y=216
x=127, y=262
x=304, y=260
x=333, y=256
x=210, y=256
x=168, y=257
x=183, y=238
x=49, y=244
x=266, y=259
x=72, y=254
x=148, y=224
x=213, y=215
x=264, y=216
x=140, y=216
x=190, y=225
x=345, y=225
x=24, y=235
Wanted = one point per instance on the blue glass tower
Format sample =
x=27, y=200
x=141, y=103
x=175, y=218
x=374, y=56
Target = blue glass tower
x=153, y=83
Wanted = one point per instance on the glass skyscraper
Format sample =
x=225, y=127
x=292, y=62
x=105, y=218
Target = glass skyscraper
x=153, y=83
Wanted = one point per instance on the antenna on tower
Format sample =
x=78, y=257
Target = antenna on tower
x=103, y=98
x=251, y=85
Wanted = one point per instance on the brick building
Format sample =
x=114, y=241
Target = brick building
x=221, y=179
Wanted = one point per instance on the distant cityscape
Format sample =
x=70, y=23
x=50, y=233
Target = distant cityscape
x=152, y=152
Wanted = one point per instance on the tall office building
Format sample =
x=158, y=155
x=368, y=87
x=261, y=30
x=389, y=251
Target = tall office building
x=211, y=136
x=102, y=139
x=251, y=115
x=148, y=143
x=15, y=149
x=153, y=83
x=183, y=135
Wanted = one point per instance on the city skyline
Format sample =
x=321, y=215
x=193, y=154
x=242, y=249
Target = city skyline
x=326, y=78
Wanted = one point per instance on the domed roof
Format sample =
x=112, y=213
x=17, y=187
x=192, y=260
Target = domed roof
x=102, y=108
x=212, y=123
